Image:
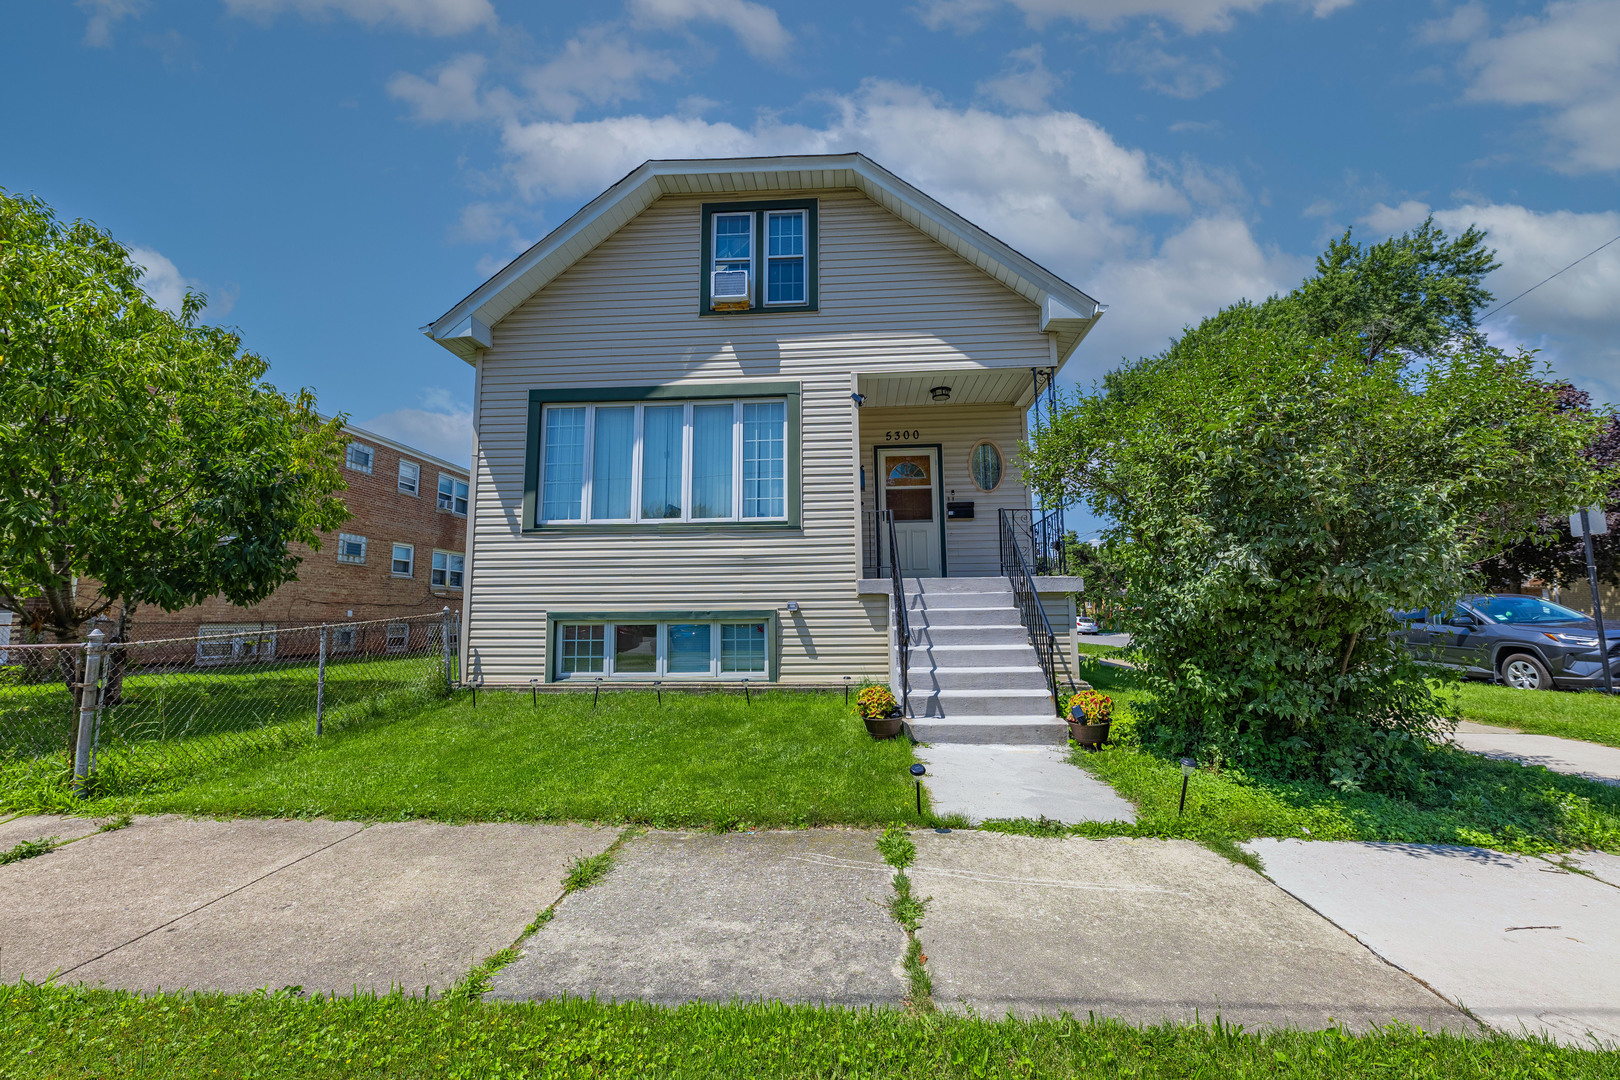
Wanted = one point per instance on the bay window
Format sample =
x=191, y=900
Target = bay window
x=661, y=649
x=664, y=461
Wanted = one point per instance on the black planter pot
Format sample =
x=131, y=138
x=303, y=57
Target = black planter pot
x=1092, y=735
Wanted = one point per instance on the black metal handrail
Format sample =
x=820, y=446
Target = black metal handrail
x=1030, y=611
x=1041, y=540
x=902, y=622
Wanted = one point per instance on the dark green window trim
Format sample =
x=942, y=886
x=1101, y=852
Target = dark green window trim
x=539, y=399
x=773, y=637
x=812, y=248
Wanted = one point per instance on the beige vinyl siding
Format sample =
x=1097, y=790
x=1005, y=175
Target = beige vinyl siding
x=626, y=315
x=972, y=548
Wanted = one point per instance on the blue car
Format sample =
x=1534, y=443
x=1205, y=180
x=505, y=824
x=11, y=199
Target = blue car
x=1526, y=642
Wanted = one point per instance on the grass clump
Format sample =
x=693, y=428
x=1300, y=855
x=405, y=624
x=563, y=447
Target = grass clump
x=783, y=760
x=587, y=870
x=53, y=1031
x=896, y=847
x=28, y=849
x=1467, y=799
x=1586, y=714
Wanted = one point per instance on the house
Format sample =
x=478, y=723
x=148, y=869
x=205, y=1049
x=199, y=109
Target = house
x=402, y=553
x=703, y=402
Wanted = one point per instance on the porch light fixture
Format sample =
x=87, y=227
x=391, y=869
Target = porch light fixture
x=940, y=393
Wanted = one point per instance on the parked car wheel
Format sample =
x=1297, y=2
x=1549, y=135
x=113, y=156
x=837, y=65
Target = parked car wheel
x=1525, y=672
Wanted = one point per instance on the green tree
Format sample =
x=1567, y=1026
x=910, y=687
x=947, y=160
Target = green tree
x=1277, y=494
x=137, y=449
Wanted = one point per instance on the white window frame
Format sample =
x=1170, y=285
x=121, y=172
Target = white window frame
x=766, y=258
x=371, y=458
x=228, y=643
x=465, y=496
x=350, y=538
x=415, y=488
x=751, y=264
x=435, y=571
x=661, y=665
x=687, y=517
x=409, y=560
x=398, y=639
x=345, y=638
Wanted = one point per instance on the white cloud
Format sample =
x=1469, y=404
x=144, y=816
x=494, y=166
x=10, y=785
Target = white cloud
x=452, y=94
x=1176, y=76
x=439, y=17
x=1026, y=84
x=104, y=15
x=599, y=67
x=443, y=427
x=161, y=279
x=1191, y=16
x=755, y=25
x=1565, y=61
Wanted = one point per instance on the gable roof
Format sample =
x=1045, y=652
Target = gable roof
x=464, y=329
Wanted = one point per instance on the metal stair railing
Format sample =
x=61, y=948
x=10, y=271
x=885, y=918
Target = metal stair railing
x=902, y=622
x=1028, y=601
x=1040, y=539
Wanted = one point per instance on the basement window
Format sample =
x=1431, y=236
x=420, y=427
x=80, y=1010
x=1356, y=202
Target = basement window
x=662, y=649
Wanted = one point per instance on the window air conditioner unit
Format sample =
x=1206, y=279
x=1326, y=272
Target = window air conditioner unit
x=729, y=288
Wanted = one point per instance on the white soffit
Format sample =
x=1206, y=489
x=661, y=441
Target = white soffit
x=1066, y=312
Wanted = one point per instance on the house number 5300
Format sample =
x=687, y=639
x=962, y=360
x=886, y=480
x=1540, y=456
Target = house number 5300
x=901, y=436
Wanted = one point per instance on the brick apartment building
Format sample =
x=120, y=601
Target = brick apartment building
x=401, y=554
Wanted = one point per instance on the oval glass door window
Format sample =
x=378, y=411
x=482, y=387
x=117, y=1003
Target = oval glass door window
x=985, y=465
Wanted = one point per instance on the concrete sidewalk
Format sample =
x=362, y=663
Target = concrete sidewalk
x=1594, y=761
x=236, y=905
x=1520, y=942
x=986, y=781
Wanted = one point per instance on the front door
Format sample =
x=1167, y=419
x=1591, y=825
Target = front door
x=910, y=492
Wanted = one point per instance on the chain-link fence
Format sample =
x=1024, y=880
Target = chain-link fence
x=124, y=716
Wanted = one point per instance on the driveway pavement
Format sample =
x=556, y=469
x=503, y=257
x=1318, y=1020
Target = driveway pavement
x=1520, y=942
x=1591, y=760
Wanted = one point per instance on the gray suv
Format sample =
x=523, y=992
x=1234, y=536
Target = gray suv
x=1529, y=643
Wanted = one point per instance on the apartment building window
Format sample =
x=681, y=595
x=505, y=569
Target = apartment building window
x=404, y=560
x=452, y=494
x=360, y=457
x=449, y=568
x=410, y=477
x=345, y=638
x=399, y=637
x=351, y=549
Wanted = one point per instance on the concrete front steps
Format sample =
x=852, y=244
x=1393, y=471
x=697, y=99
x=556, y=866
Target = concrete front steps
x=974, y=675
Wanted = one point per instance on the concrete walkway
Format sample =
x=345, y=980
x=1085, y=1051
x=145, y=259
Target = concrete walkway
x=1591, y=760
x=1521, y=943
x=984, y=782
x=237, y=905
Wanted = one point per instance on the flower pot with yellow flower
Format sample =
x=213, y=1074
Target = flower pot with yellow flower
x=880, y=712
x=1090, y=715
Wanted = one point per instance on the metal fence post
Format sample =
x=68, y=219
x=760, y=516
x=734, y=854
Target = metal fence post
x=320, y=684
x=449, y=683
x=89, y=700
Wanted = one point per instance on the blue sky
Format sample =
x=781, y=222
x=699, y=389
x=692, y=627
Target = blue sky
x=336, y=173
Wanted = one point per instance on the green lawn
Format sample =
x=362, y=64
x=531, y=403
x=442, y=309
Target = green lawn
x=1495, y=804
x=1588, y=715
x=697, y=759
x=54, y=1031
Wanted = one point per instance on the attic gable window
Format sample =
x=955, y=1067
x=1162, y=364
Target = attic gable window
x=759, y=257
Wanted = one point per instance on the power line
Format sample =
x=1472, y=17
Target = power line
x=1549, y=277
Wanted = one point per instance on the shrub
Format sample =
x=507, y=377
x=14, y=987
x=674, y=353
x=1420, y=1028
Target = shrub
x=875, y=702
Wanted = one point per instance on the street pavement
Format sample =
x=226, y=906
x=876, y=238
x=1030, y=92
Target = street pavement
x=1573, y=756
x=1520, y=942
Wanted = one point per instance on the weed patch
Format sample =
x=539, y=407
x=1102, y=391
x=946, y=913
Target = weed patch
x=28, y=849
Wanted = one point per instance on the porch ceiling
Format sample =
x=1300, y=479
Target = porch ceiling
x=1011, y=386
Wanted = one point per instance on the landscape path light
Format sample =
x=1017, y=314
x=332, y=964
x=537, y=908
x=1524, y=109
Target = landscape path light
x=917, y=774
x=534, y=691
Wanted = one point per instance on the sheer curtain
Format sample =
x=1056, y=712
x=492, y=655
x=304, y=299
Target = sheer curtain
x=711, y=460
x=610, y=463
x=661, y=459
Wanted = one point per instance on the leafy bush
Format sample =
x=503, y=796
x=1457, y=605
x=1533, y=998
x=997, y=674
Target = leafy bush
x=875, y=703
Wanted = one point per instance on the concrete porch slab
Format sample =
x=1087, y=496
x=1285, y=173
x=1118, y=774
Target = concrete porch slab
x=1142, y=930
x=413, y=905
x=789, y=916
x=1519, y=942
x=1017, y=781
